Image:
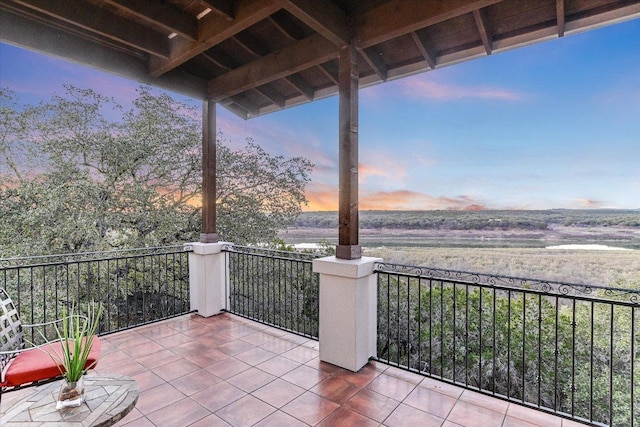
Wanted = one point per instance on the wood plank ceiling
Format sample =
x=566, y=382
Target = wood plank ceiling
x=258, y=56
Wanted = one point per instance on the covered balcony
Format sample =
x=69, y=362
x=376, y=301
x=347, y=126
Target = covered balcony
x=227, y=370
x=397, y=345
x=449, y=348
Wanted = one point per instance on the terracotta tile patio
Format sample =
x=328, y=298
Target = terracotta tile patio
x=226, y=370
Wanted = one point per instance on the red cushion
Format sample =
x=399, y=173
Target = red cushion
x=36, y=364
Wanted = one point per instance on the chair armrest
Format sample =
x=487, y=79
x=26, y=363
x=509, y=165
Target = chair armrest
x=36, y=325
x=38, y=331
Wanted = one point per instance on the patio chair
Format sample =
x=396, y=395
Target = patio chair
x=21, y=364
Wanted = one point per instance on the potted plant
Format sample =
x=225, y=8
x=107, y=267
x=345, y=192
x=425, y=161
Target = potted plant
x=75, y=334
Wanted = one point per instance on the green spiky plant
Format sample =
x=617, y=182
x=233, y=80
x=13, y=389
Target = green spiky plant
x=76, y=334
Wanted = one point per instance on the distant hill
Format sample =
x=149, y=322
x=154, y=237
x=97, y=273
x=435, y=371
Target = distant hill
x=479, y=220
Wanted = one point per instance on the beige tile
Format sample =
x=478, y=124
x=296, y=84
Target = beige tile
x=484, y=400
x=533, y=416
x=372, y=405
x=310, y=408
x=245, y=411
x=407, y=416
x=178, y=414
x=430, y=401
x=251, y=379
x=278, y=392
x=218, y=396
x=344, y=417
x=391, y=387
x=157, y=398
x=469, y=415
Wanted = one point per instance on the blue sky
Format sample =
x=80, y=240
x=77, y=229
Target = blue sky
x=553, y=125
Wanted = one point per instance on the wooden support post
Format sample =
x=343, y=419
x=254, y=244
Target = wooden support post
x=209, y=233
x=348, y=247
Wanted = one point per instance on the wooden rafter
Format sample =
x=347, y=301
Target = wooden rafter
x=374, y=26
x=235, y=108
x=331, y=72
x=306, y=53
x=224, y=8
x=250, y=107
x=483, y=29
x=43, y=38
x=300, y=84
x=218, y=61
x=286, y=29
x=324, y=17
x=214, y=30
x=422, y=43
x=171, y=18
x=272, y=95
x=251, y=45
x=135, y=39
x=374, y=58
x=103, y=23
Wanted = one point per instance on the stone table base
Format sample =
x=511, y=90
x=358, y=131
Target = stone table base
x=109, y=397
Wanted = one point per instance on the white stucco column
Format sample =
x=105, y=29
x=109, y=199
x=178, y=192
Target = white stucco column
x=207, y=278
x=348, y=311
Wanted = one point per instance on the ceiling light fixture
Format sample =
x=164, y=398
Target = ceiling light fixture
x=203, y=13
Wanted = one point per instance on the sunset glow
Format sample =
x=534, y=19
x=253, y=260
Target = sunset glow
x=552, y=125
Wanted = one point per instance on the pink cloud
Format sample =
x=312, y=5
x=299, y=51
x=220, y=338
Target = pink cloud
x=366, y=170
x=423, y=87
x=325, y=197
x=591, y=203
x=322, y=197
x=411, y=200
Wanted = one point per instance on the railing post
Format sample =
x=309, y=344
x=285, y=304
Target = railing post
x=207, y=278
x=348, y=311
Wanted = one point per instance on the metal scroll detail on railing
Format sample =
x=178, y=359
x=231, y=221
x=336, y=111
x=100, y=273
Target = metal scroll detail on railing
x=481, y=279
x=302, y=256
x=91, y=256
x=135, y=286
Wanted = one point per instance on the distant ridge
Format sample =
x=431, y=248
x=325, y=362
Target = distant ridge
x=479, y=219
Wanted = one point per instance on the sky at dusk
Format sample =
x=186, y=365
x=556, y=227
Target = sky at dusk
x=553, y=125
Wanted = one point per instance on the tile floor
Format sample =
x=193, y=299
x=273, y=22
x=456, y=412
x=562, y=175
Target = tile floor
x=226, y=370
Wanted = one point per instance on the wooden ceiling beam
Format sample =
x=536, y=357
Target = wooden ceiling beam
x=235, y=108
x=483, y=29
x=40, y=37
x=250, y=107
x=272, y=95
x=287, y=29
x=374, y=59
x=281, y=28
x=421, y=41
x=332, y=73
x=312, y=51
x=103, y=23
x=251, y=44
x=218, y=61
x=171, y=18
x=324, y=17
x=224, y=8
x=560, y=17
x=301, y=85
x=374, y=26
x=214, y=30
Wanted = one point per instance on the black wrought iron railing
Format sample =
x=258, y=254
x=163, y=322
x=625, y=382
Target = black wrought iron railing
x=571, y=350
x=278, y=288
x=135, y=286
